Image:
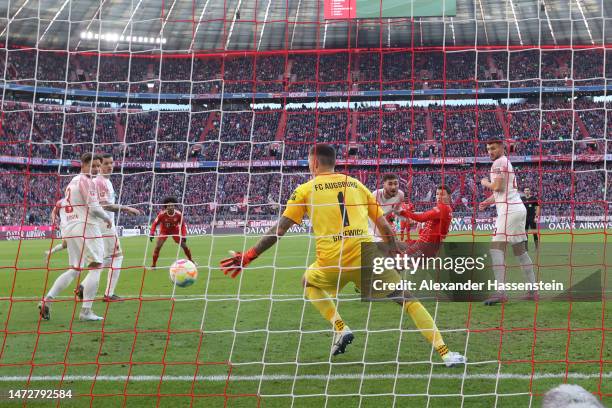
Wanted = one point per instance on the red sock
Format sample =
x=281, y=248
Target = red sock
x=155, y=256
x=187, y=252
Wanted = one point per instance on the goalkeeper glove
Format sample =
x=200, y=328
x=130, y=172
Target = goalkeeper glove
x=151, y=238
x=233, y=265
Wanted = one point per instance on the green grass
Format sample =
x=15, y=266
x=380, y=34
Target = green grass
x=276, y=345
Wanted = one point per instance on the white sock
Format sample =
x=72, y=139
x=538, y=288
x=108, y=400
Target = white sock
x=90, y=287
x=498, y=262
x=57, y=248
x=61, y=283
x=113, y=275
x=527, y=267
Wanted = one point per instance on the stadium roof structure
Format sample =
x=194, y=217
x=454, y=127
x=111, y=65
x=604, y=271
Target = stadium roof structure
x=234, y=25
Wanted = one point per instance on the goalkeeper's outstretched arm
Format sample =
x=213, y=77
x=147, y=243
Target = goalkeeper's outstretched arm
x=388, y=234
x=233, y=265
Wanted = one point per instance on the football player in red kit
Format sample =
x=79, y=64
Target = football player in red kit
x=171, y=223
x=437, y=222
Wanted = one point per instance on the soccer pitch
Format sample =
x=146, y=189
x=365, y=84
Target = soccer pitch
x=263, y=345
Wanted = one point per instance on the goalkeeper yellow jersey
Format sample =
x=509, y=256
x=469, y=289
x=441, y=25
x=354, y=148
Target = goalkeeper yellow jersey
x=338, y=207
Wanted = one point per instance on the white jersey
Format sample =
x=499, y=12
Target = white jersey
x=106, y=194
x=61, y=213
x=508, y=200
x=80, y=198
x=388, y=206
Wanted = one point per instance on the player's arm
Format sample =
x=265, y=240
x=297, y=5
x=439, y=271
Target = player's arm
x=538, y=209
x=183, y=228
x=496, y=185
x=498, y=180
x=233, y=265
x=153, y=229
x=490, y=200
x=432, y=214
x=388, y=234
x=116, y=208
x=92, y=202
x=55, y=212
x=376, y=214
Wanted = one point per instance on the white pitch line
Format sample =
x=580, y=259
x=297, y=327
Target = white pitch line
x=234, y=296
x=282, y=377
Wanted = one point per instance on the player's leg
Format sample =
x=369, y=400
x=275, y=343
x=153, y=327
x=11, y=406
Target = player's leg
x=61, y=246
x=182, y=241
x=420, y=316
x=159, y=243
x=516, y=236
x=90, y=288
x=527, y=267
x=527, y=240
x=114, y=261
x=497, y=252
x=75, y=249
x=320, y=287
x=536, y=235
x=94, y=254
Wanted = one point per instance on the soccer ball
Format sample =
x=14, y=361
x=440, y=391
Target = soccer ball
x=183, y=273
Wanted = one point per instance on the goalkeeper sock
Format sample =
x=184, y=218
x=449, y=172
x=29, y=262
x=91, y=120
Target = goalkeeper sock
x=527, y=267
x=187, y=252
x=498, y=263
x=536, y=241
x=321, y=301
x=423, y=321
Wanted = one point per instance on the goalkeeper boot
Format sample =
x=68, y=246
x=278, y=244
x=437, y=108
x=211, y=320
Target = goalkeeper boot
x=45, y=311
x=496, y=298
x=341, y=340
x=87, y=315
x=454, y=359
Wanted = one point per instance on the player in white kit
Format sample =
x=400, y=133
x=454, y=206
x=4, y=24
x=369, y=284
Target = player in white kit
x=390, y=199
x=510, y=221
x=80, y=215
x=113, y=255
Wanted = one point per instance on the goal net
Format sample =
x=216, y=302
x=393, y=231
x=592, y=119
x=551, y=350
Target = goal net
x=217, y=105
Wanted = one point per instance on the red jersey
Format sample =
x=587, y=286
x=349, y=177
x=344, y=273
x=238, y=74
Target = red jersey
x=169, y=224
x=437, y=223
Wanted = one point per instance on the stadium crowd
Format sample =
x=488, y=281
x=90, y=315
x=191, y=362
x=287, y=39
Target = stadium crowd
x=238, y=194
x=298, y=72
x=560, y=127
x=139, y=138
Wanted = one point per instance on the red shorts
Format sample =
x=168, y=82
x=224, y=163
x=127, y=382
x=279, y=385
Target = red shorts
x=165, y=235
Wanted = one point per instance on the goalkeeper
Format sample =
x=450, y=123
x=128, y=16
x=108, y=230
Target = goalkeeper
x=339, y=207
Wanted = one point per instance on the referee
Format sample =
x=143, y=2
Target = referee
x=533, y=213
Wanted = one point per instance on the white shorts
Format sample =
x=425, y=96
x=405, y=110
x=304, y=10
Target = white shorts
x=510, y=227
x=112, y=246
x=85, y=244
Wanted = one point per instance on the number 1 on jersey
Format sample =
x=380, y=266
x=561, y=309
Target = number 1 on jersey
x=343, y=212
